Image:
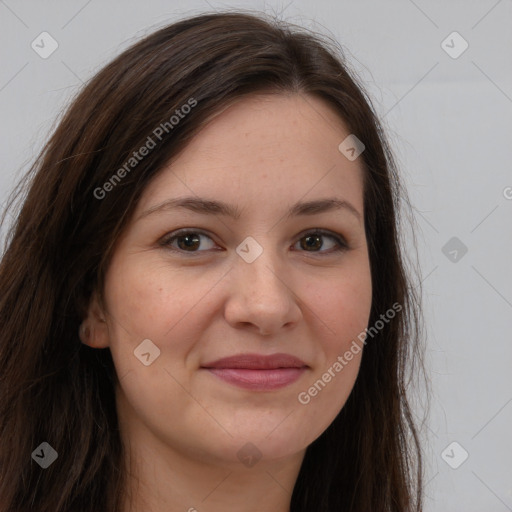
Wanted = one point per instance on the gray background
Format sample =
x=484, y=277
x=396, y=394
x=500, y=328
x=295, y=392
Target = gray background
x=449, y=121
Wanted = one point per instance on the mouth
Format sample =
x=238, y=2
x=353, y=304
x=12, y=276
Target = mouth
x=258, y=372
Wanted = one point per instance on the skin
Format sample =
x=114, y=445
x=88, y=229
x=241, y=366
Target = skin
x=182, y=425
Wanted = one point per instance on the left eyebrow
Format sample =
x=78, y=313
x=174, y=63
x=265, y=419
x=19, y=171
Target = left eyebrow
x=321, y=206
x=212, y=207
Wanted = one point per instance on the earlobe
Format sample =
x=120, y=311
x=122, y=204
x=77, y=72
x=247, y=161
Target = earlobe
x=94, y=330
x=84, y=332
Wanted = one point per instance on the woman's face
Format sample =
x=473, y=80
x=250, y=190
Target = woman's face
x=248, y=276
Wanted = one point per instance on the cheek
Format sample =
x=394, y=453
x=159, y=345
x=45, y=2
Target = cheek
x=323, y=397
x=343, y=304
x=151, y=300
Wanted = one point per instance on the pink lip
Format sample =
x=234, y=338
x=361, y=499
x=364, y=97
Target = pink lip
x=258, y=372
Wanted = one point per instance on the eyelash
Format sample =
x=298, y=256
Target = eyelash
x=171, y=237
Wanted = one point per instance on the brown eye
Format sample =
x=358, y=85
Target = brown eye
x=188, y=241
x=311, y=242
x=315, y=241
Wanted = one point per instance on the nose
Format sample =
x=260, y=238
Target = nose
x=261, y=297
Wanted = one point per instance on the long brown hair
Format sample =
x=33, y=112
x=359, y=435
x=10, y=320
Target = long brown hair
x=57, y=390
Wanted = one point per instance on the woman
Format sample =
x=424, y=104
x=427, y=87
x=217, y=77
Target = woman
x=204, y=304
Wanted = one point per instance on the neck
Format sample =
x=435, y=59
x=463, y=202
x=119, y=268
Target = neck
x=164, y=480
x=166, y=476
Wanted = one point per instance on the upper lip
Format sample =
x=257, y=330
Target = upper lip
x=257, y=362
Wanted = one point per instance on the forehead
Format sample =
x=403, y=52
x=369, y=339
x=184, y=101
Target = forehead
x=271, y=147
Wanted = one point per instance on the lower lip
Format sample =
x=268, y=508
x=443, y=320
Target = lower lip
x=261, y=380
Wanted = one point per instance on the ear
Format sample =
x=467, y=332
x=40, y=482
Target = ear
x=94, y=329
